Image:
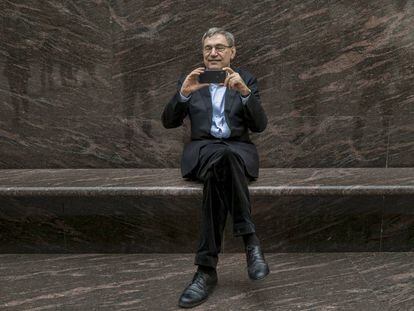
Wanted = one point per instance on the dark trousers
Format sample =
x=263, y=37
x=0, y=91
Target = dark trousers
x=225, y=190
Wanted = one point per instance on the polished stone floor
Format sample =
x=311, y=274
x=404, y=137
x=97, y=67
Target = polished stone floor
x=298, y=281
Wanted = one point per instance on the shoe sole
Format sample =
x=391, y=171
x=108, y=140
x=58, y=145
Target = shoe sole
x=192, y=305
x=210, y=291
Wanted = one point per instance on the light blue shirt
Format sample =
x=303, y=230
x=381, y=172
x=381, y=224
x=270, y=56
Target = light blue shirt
x=219, y=126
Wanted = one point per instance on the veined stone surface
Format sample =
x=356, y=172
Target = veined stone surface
x=323, y=281
x=83, y=83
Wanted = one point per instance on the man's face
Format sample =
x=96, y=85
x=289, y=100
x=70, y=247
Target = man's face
x=215, y=59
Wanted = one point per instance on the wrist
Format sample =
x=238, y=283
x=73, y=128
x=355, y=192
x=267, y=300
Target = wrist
x=184, y=93
x=245, y=92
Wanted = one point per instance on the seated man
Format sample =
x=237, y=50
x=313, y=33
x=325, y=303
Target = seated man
x=220, y=155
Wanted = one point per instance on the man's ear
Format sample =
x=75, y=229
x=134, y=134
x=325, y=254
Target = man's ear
x=233, y=54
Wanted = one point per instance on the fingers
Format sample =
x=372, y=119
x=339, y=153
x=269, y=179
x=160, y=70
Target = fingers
x=226, y=81
x=232, y=84
x=229, y=79
x=191, y=83
x=197, y=72
x=192, y=78
x=233, y=81
x=228, y=70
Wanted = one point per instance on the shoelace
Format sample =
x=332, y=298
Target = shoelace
x=253, y=254
x=199, y=282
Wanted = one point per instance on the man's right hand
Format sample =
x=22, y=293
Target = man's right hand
x=191, y=83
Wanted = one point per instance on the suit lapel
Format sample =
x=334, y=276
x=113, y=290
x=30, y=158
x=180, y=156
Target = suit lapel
x=206, y=96
x=229, y=97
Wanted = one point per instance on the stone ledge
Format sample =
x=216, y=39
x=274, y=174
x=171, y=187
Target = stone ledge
x=168, y=182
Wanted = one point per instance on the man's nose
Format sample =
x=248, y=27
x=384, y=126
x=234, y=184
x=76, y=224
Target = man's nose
x=213, y=51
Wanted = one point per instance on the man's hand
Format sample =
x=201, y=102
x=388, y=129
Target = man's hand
x=191, y=83
x=235, y=82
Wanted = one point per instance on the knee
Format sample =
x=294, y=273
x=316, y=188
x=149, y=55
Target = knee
x=227, y=154
x=221, y=169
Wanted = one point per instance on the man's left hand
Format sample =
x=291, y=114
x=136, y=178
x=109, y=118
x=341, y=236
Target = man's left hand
x=235, y=82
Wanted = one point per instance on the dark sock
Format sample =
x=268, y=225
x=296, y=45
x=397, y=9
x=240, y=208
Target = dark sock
x=250, y=239
x=206, y=269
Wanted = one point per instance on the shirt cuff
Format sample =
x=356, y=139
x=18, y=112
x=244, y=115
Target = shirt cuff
x=245, y=99
x=184, y=98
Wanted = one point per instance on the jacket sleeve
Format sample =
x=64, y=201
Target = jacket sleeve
x=253, y=111
x=176, y=110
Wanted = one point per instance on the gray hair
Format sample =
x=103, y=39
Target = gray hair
x=216, y=30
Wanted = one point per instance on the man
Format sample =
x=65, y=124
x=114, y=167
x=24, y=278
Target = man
x=220, y=155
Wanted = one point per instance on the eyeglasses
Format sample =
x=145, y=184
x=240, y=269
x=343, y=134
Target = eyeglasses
x=218, y=47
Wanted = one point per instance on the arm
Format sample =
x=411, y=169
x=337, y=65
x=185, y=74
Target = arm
x=253, y=110
x=252, y=107
x=176, y=109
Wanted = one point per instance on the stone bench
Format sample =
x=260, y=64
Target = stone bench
x=166, y=182
x=155, y=210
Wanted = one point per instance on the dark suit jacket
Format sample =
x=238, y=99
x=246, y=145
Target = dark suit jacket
x=240, y=119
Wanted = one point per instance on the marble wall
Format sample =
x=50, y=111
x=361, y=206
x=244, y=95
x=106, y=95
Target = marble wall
x=172, y=224
x=105, y=225
x=83, y=83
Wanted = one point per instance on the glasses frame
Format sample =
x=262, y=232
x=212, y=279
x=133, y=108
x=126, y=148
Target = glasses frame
x=215, y=47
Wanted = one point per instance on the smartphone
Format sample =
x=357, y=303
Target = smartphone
x=212, y=76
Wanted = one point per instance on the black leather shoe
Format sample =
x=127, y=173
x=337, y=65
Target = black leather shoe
x=198, y=290
x=256, y=264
